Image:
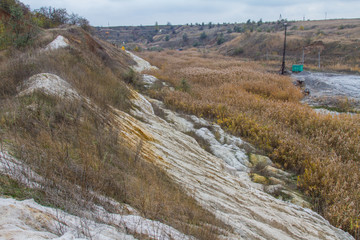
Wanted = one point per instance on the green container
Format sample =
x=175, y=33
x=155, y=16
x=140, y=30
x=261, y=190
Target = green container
x=297, y=68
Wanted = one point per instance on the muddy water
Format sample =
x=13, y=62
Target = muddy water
x=325, y=88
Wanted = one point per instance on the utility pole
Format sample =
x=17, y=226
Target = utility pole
x=303, y=56
x=283, y=61
x=319, y=58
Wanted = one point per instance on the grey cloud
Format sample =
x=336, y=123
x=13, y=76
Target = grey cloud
x=136, y=12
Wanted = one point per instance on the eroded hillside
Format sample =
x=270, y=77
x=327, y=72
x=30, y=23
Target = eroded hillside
x=55, y=121
x=76, y=137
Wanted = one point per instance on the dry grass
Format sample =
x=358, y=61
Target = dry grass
x=264, y=109
x=87, y=66
x=70, y=145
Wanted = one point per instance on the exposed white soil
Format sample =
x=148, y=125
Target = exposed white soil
x=148, y=80
x=19, y=171
x=50, y=84
x=330, y=84
x=31, y=220
x=141, y=64
x=59, y=42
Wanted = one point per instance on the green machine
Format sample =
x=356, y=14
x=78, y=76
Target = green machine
x=297, y=68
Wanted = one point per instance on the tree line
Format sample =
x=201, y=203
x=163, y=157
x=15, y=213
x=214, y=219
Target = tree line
x=19, y=25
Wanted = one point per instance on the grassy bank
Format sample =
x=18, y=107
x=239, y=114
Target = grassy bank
x=74, y=147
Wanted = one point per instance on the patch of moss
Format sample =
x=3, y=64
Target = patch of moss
x=259, y=179
x=11, y=188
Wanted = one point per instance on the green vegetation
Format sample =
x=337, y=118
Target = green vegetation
x=48, y=17
x=220, y=39
x=184, y=85
x=340, y=105
x=19, y=26
x=11, y=188
x=16, y=27
x=185, y=38
x=238, y=51
x=203, y=36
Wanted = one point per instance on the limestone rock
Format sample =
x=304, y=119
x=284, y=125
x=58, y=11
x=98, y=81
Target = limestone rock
x=273, y=189
x=149, y=80
x=59, y=42
x=276, y=181
x=277, y=173
x=50, y=84
x=297, y=199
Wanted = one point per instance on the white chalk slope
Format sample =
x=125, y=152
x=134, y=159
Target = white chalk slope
x=29, y=220
x=141, y=64
x=220, y=184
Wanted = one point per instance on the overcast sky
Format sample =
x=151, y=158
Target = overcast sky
x=146, y=12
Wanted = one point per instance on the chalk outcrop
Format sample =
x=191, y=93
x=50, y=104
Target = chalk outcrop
x=141, y=64
x=58, y=42
x=50, y=84
x=29, y=220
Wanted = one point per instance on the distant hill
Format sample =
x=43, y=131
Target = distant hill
x=337, y=40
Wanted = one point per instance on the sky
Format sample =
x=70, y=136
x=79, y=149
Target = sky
x=146, y=12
